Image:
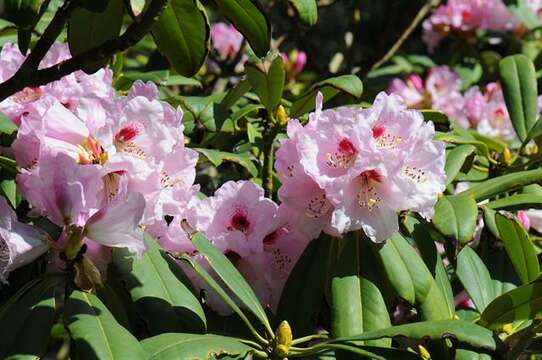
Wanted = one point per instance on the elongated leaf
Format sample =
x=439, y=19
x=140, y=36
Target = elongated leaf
x=481, y=147
x=307, y=11
x=267, y=85
x=518, y=79
x=504, y=183
x=455, y=216
x=517, y=202
x=192, y=346
x=249, y=18
x=231, y=277
x=95, y=331
x=475, y=277
x=519, y=247
x=455, y=160
x=436, y=116
x=464, y=332
x=522, y=303
x=535, y=132
x=182, y=35
x=425, y=239
x=27, y=321
x=87, y=30
x=302, y=312
x=349, y=84
x=463, y=354
x=217, y=157
x=156, y=287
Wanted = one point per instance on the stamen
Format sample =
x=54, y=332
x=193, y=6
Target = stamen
x=415, y=174
x=343, y=157
x=367, y=196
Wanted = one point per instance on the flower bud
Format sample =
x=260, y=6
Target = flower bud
x=87, y=275
x=424, y=353
x=282, y=116
x=507, y=156
x=283, y=339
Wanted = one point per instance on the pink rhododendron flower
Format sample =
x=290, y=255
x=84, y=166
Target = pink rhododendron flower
x=362, y=166
x=463, y=17
x=226, y=40
x=440, y=91
x=117, y=224
x=20, y=243
x=532, y=218
x=523, y=218
x=68, y=91
x=495, y=121
x=237, y=217
x=294, y=63
x=535, y=6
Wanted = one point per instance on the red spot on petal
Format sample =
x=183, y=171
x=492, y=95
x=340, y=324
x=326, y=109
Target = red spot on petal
x=239, y=221
x=128, y=132
x=372, y=174
x=346, y=147
x=378, y=131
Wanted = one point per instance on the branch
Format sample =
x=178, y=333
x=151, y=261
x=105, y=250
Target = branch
x=269, y=134
x=422, y=13
x=133, y=34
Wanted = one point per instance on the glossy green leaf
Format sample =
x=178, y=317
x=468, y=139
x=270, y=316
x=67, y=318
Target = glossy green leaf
x=481, y=147
x=475, y=277
x=455, y=216
x=307, y=11
x=27, y=320
x=504, y=183
x=9, y=190
x=157, y=288
x=267, y=84
x=425, y=238
x=202, y=109
x=519, y=85
x=349, y=84
x=249, y=18
x=464, y=332
x=302, y=312
x=231, y=277
x=182, y=34
x=516, y=202
x=463, y=354
x=535, y=132
x=95, y=332
x=519, y=247
x=522, y=303
x=455, y=160
x=192, y=346
x=6, y=125
x=217, y=157
x=436, y=116
x=87, y=30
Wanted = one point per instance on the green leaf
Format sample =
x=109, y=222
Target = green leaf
x=349, y=84
x=425, y=238
x=436, y=116
x=307, y=11
x=157, y=288
x=460, y=139
x=411, y=279
x=455, y=160
x=249, y=18
x=27, y=320
x=9, y=189
x=455, y=216
x=302, y=312
x=519, y=247
x=191, y=346
x=6, y=125
x=463, y=354
x=475, y=277
x=518, y=80
x=464, y=332
x=94, y=5
x=231, y=277
x=269, y=84
x=535, y=132
x=217, y=157
x=522, y=303
x=96, y=333
x=87, y=30
x=346, y=311
x=516, y=202
x=182, y=35
x=503, y=183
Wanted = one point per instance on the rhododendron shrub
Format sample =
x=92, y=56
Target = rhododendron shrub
x=274, y=180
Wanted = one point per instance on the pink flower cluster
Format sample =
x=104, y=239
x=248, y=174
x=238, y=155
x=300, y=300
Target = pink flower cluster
x=100, y=166
x=484, y=111
x=226, y=39
x=263, y=240
x=462, y=18
x=294, y=63
x=353, y=168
